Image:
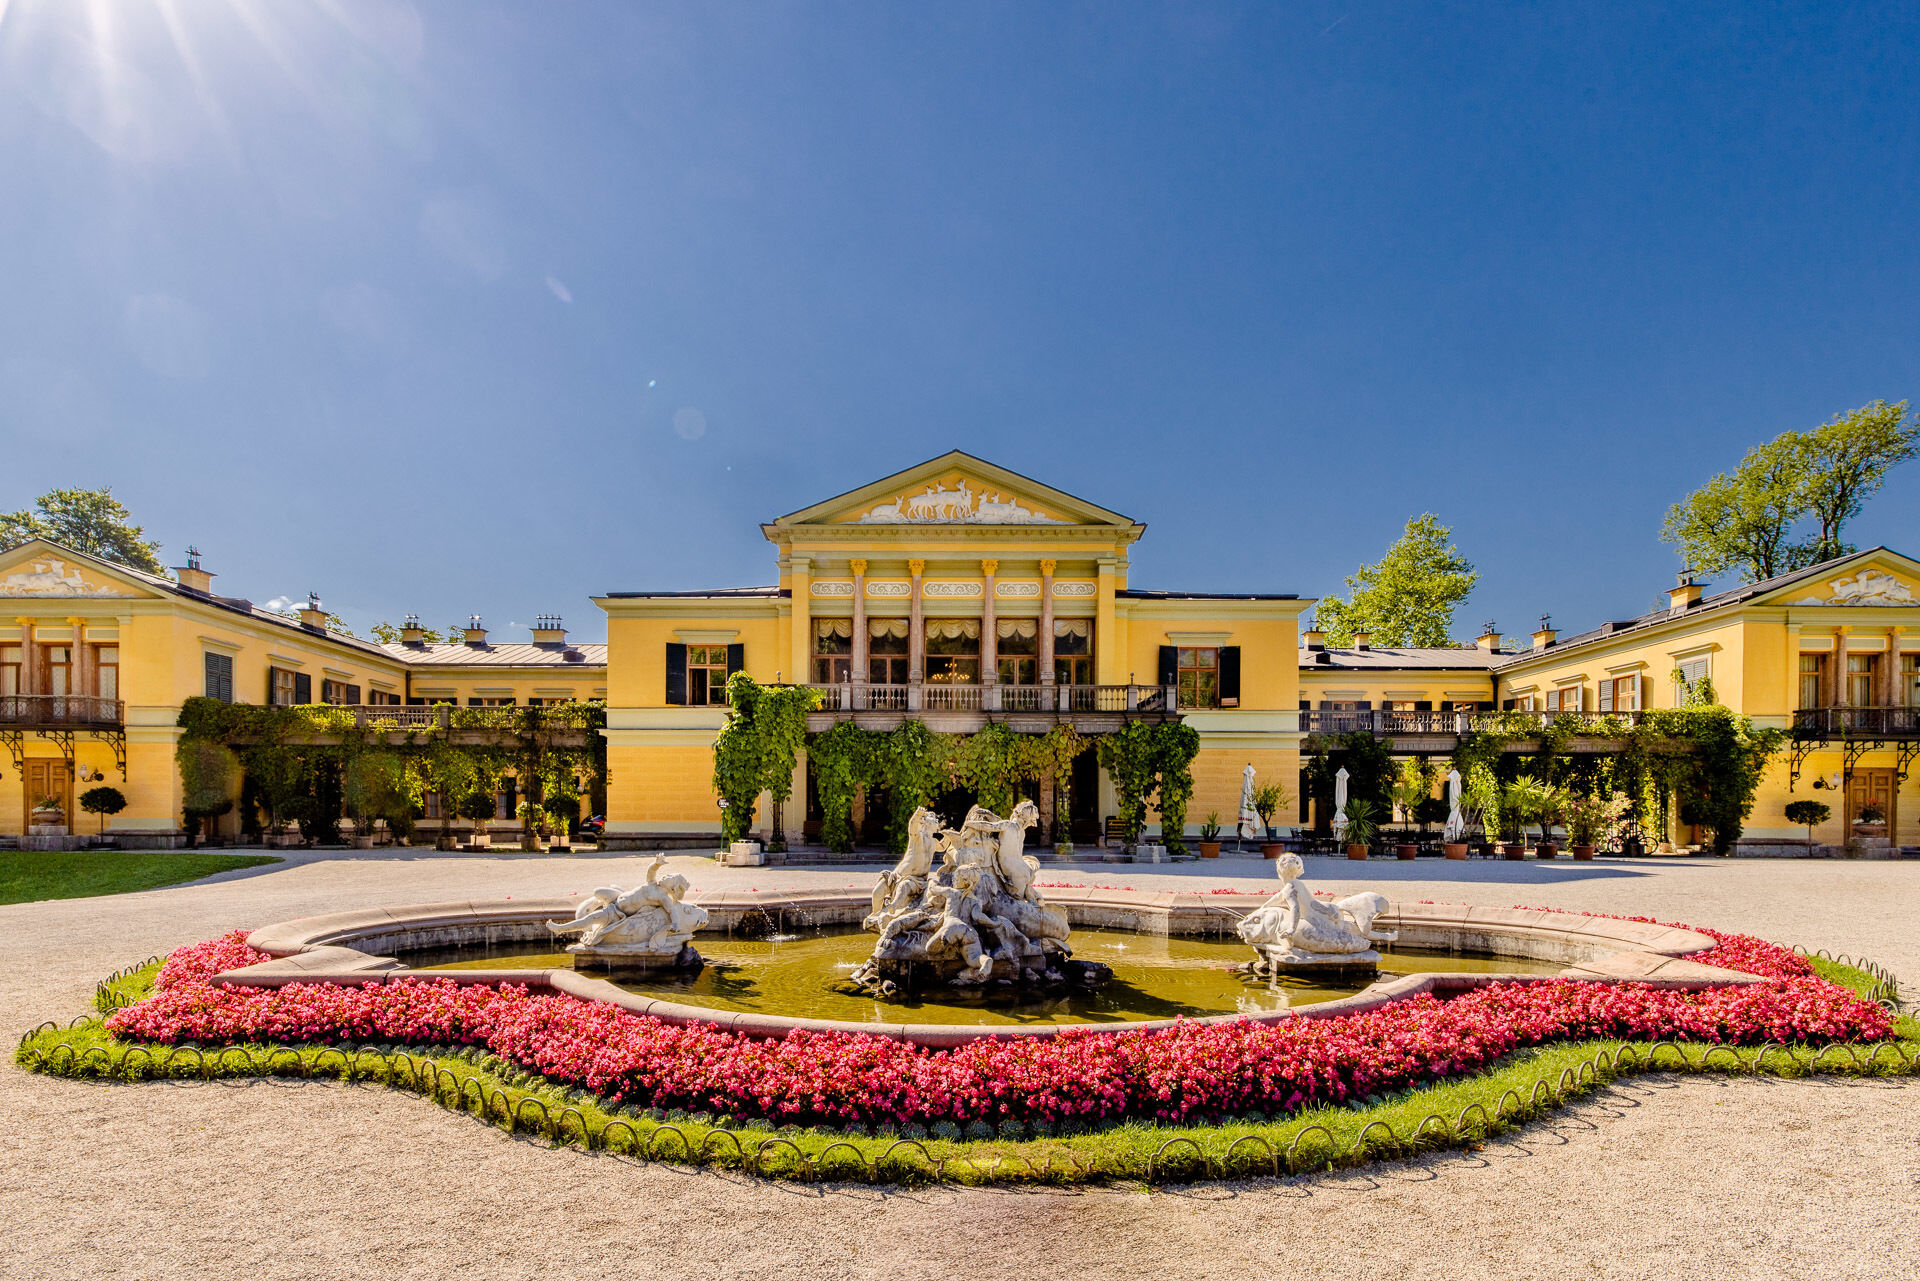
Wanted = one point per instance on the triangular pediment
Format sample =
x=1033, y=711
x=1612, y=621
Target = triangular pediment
x=955, y=489
x=40, y=570
x=1877, y=577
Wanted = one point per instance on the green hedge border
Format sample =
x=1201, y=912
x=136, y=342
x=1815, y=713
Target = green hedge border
x=1448, y=1114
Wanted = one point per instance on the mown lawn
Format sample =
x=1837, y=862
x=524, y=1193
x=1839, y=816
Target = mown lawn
x=29, y=876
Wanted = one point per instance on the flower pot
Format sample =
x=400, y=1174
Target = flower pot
x=1063, y=849
x=1358, y=853
x=1513, y=851
x=480, y=840
x=1405, y=853
x=1456, y=852
x=1544, y=852
x=1209, y=849
x=1272, y=849
x=1583, y=853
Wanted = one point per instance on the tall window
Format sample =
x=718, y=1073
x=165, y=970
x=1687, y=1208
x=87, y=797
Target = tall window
x=284, y=687
x=1813, y=680
x=887, y=651
x=707, y=675
x=106, y=671
x=1620, y=694
x=382, y=698
x=1692, y=672
x=1199, y=676
x=1073, y=651
x=1564, y=700
x=219, y=682
x=832, y=651
x=10, y=669
x=1861, y=671
x=953, y=651
x=1019, y=651
x=1910, y=679
x=59, y=669
x=339, y=693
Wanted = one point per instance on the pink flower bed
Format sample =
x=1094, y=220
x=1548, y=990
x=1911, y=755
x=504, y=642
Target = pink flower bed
x=1178, y=1074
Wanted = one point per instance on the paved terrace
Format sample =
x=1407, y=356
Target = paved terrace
x=1660, y=1177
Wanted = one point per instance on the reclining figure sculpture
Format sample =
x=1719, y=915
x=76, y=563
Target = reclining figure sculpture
x=1293, y=931
x=638, y=926
x=974, y=918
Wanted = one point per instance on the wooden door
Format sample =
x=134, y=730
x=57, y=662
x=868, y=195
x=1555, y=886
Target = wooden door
x=47, y=778
x=1873, y=787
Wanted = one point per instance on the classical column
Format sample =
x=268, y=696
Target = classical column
x=860, y=633
x=916, y=634
x=1046, y=633
x=29, y=657
x=81, y=672
x=800, y=571
x=1838, y=683
x=989, y=634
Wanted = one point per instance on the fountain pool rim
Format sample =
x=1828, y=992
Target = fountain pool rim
x=347, y=948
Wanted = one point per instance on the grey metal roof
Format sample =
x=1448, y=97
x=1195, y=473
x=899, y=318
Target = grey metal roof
x=526, y=654
x=1381, y=658
x=711, y=593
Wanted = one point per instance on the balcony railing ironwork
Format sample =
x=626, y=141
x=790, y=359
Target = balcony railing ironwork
x=62, y=711
x=1379, y=721
x=1857, y=722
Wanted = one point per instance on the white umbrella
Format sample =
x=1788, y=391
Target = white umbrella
x=1456, y=821
x=1340, y=804
x=1250, y=828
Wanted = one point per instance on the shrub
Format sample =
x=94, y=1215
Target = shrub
x=102, y=801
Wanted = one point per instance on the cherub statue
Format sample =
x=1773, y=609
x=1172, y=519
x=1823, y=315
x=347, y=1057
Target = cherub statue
x=1295, y=927
x=650, y=919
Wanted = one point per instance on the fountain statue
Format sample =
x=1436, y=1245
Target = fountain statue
x=974, y=919
x=1293, y=932
x=644, y=929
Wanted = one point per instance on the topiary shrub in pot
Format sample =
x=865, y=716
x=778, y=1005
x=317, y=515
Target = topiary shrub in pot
x=1808, y=814
x=103, y=801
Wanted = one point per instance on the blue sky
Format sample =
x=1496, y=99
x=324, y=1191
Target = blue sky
x=478, y=307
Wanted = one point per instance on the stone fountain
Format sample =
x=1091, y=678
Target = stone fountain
x=1295, y=933
x=974, y=921
x=639, y=931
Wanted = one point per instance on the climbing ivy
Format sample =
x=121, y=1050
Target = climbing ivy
x=758, y=749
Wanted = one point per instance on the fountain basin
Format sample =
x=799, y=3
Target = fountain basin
x=353, y=948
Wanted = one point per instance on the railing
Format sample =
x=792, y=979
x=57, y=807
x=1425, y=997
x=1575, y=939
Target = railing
x=1857, y=722
x=933, y=697
x=1386, y=722
x=60, y=710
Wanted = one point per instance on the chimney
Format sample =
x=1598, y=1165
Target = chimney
x=476, y=634
x=1314, y=637
x=1545, y=635
x=1684, y=595
x=191, y=576
x=312, y=616
x=1489, y=637
x=549, y=630
x=411, y=633
x=1362, y=640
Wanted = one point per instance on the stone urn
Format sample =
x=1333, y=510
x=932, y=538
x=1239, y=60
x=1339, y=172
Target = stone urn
x=1405, y=851
x=1357, y=853
x=1457, y=851
x=1583, y=853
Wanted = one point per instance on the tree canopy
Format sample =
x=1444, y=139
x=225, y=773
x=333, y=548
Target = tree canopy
x=388, y=634
x=1409, y=596
x=87, y=520
x=1787, y=505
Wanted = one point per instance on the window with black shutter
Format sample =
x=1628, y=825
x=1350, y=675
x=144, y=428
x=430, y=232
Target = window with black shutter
x=353, y=696
x=302, y=688
x=676, y=675
x=1229, y=676
x=220, y=677
x=1169, y=664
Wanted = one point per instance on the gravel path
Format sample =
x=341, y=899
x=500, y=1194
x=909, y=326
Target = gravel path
x=1656, y=1178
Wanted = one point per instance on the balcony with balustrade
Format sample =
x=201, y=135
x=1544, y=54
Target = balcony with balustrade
x=1415, y=733
x=962, y=708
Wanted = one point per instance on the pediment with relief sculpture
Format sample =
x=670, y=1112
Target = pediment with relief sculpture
x=42, y=571
x=956, y=489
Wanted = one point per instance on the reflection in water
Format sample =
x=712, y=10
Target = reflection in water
x=805, y=976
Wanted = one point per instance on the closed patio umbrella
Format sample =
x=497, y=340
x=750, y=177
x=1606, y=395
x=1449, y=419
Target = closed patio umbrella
x=1340, y=804
x=1250, y=828
x=1456, y=821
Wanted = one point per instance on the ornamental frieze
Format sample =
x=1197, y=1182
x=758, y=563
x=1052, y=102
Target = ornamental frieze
x=950, y=591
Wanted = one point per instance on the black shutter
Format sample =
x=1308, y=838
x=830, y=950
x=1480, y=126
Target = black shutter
x=273, y=681
x=220, y=677
x=1364, y=705
x=737, y=662
x=1229, y=676
x=1423, y=707
x=476, y=702
x=416, y=702
x=1484, y=706
x=676, y=675
x=1306, y=704
x=1169, y=664
x=302, y=688
x=353, y=696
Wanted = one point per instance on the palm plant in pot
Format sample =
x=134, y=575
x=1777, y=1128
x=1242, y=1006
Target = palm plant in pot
x=1210, y=835
x=1534, y=801
x=1362, y=826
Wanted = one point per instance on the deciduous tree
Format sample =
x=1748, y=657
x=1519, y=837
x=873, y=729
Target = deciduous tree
x=87, y=520
x=1408, y=598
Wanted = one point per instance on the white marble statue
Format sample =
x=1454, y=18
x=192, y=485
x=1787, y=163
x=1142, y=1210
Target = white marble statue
x=649, y=921
x=1293, y=930
x=974, y=917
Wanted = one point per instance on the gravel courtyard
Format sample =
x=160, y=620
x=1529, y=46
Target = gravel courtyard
x=1660, y=1177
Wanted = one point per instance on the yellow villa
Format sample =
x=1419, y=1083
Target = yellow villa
x=957, y=593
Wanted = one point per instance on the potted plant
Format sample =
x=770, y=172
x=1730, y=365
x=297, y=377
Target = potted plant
x=1808, y=814
x=563, y=815
x=1583, y=815
x=103, y=801
x=1269, y=799
x=478, y=808
x=1361, y=829
x=1409, y=790
x=1210, y=836
x=533, y=821
x=47, y=813
x=1479, y=799
x=1511, y=815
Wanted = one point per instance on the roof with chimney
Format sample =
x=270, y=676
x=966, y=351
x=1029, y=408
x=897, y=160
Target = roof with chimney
x=1383, y=658
x=485, y=654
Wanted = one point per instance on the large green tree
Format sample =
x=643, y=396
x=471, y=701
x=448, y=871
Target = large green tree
x=1409, y=596
x=1787, y=504
x=87, y=520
